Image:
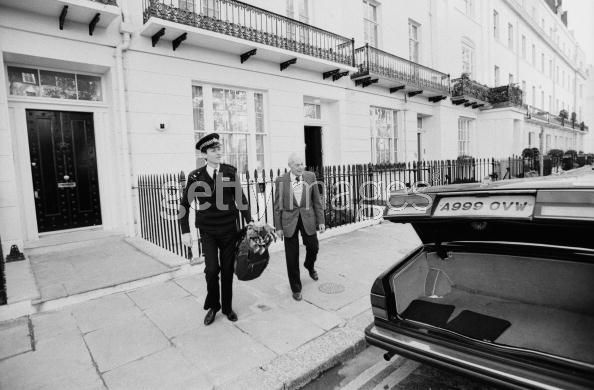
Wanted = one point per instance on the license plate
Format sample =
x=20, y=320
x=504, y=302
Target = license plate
x=499, y=206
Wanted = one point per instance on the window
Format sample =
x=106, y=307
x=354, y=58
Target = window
x=52, y=84
x=533, y=55
x=557, y=75
x=208, y=7
x=464, y=136
x=542, y=62
x=371, y=23
x=550, y=103
x=238, y=116
x=511, y=78
x=524, y=91
x=298, y=10
x=542, y=100
x=551, y=69
x=496, y=76
x=312, y=111
x=531, y=139
x=581, y=91
x=383, y=135
x=523, y=46
x=510, y=36
x=413, y=40
x=533, y=96
x=467, y=58
x=495, y=24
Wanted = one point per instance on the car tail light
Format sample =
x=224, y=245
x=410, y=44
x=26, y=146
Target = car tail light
x=379, y=305
x=576, y=204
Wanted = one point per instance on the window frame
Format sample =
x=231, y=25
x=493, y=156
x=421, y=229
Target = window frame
x=393, y=140
x=496, y=24
x=465, y=130
x=252, y=133
x=374, y=23
x=412, y=24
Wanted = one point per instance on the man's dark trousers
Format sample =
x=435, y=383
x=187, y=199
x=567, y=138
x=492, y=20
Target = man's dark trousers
x=292, y=254
x=212, y=243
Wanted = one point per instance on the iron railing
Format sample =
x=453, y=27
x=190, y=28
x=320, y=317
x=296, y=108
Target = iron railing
x=371, y=60
x=464, y=86
x=545, y=116
x=241, y=20
x=349, y=192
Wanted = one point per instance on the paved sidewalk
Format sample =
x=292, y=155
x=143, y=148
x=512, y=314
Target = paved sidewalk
x=154, y=338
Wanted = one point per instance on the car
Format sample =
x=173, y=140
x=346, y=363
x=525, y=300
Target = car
x=502, y=286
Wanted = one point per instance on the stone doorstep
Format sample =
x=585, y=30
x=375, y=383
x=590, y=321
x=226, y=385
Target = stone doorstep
x=33, y=306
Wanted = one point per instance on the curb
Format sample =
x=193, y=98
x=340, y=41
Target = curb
x=297, y=368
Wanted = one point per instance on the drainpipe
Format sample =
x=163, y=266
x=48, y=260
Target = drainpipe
x=123, y=119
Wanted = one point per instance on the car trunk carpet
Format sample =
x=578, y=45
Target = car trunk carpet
x=540, y=328
x=478, y=326
x=430, y=313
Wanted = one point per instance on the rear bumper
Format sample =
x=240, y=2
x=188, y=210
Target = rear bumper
x=507, y=372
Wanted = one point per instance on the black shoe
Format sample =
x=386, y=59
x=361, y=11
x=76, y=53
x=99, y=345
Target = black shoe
x=210, y=317
x=313, y=274
x=297, y=296
x=231, y=316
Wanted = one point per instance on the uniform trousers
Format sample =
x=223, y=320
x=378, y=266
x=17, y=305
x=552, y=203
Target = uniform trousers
x=212, y=244
x=292, y=254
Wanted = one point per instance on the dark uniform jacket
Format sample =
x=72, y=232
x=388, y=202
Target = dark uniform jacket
x=209, y=218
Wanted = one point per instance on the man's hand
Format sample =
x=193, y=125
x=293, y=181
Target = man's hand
x=280, y=234
x=322, y=228
x=187, y=239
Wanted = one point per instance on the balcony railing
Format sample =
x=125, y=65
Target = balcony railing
x=465, y=87
x=509, y=94
x=240, y=20
x=545, y=116
x=371, y=60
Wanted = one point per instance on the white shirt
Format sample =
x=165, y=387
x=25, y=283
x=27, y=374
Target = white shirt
x=297, y=187
x=210, y=170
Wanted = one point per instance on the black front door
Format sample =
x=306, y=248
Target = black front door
x=64, y=169
x=313, y=146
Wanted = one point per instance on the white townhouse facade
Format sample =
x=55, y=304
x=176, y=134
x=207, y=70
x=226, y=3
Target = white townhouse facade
x=95, y=92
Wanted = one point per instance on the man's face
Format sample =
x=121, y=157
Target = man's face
x=213, y=155
x=297, y=166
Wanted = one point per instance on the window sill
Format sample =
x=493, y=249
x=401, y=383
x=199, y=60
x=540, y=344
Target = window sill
x=60, y=102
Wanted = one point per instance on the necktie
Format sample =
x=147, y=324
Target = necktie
x=214, y=175
x=298, y=178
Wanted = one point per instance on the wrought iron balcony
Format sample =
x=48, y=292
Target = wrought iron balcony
x=506, y=95
x=470, y=93
x=542, y=116
x=398, y=73
x=240, y=20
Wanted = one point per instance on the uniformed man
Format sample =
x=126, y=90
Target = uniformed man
x=217, y=189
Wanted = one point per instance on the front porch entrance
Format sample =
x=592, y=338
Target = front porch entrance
x=64, y=169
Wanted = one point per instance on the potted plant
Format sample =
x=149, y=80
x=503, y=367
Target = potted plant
x=573, y=119
x=563, y=114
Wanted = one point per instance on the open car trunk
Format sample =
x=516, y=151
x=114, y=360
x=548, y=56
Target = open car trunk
x=533, y=303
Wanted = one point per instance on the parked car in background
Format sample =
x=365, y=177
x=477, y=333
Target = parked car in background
x=502, y=286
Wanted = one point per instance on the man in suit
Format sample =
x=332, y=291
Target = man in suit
x=217, y=188
x=298, y=209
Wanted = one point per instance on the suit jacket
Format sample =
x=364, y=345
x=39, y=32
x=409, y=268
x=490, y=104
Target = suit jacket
x=208, y=217
x=287, y=210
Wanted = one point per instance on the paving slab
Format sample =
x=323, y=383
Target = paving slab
x=222, y=350
x=14, y=337
x=130, y=340
x=167, y=369
x=58, y=361
x=53, y=324
x=104, y=311
x=289, y=330
x=151, y=296
x=195, y=284
x=177, y=316
x=332, y=292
